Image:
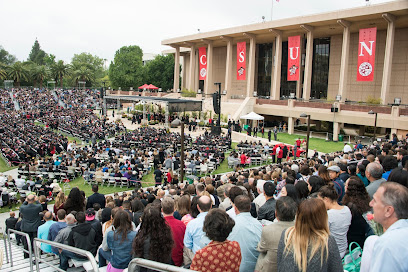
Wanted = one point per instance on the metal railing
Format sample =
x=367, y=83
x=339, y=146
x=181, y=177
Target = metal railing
x=5, y=242
x=28, y=241
x=154, y=265
x=78, y=251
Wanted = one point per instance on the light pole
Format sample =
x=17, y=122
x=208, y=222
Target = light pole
x=375, y=121
x=304, y=115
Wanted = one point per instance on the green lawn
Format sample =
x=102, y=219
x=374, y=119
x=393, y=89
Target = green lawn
x=4, y=167
x=315, y=143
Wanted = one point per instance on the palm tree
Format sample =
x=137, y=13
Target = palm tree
x=60, y=70
x=39, y=73
x=18, y=71
x=82, y=72
x=3, y=71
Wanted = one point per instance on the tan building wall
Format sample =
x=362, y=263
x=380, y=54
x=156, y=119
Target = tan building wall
x=219, y=67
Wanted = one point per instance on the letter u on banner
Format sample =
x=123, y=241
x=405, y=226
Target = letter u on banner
x=202, y=53
x=241, y=60
x=366, y=54
x=293, y=58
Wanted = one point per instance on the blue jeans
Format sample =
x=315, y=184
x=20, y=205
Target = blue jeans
x=65, y=256
x=104, y=256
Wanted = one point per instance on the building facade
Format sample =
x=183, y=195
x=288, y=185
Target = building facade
x=329, y=50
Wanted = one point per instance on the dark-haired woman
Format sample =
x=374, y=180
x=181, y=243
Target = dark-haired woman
x=220, y=254
x=315, y=183
x=339, y=216
x=361, y=174
x=119, y=243
x=358, y=200
x=154, y=240
x=75, y=201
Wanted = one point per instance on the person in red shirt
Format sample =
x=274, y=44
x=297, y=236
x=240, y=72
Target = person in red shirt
x=280, y=155
x=178, y=230
x=298, y=142
x=274, y=153
x=220, y=254
x=243, y=159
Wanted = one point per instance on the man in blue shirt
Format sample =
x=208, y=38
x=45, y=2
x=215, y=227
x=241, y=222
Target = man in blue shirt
x=247, y=232
x=390, y=203
x=55, y=228
x=43, y=231
x=194, y=238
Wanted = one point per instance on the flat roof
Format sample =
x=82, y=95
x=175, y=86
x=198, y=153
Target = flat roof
x=324, y=24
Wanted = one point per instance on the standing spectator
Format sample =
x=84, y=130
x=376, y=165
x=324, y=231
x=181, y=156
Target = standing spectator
x=220, y=254
x=59, y=202
x=44, y=230
x=269, y=135
x=96, y=225
x=75, y=201
x=268, y=246
x=11, y=222
x=390, y=204
x=95, y=198
x=177, y=229
x=339, y=217
x=275, y=133
x=267, y=210
x=334, y=172
x=374, y=172
x=158, y=175
x=119, y=243
x=280, y=155
x=247, y=232
x=31, y=220
x=308, y=246
x=154, y=240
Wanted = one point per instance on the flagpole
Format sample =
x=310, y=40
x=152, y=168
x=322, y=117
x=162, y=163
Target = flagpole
x=272, y=11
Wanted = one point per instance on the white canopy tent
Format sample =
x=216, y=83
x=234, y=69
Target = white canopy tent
x=252, y=116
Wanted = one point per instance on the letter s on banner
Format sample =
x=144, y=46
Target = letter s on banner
x=293, y=58
x=366, y=54
x=241, y=60
x=202, y=53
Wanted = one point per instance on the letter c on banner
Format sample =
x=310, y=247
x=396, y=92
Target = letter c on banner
x=203, y=59
x=291, y=52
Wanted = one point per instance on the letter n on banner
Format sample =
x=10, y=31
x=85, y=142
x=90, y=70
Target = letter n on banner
x=202, y=53
x=366, y=54
x=241, y=60
x=293, y=58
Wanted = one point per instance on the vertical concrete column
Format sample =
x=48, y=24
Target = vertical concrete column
x=299, y=83
x=192, y=67
x=336, y=131
x=308, y=62
x=291, y=125
x=228, y=65
x=176, y=81
x=251, y=65
x=209, y=82
x=277, y=65
x=345, y=53
x=389, y=48
x=183, y=73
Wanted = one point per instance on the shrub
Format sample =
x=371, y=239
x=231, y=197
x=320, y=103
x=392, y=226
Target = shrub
x=373, y=100
x=188, y=93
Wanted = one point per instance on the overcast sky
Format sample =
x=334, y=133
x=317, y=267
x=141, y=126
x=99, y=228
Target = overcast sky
x=101, y=27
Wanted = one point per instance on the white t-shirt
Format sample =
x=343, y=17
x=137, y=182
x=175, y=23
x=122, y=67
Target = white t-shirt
x=347, y=149
x=339, y=223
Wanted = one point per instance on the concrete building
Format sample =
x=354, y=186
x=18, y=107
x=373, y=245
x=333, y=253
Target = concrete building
x=329, y=50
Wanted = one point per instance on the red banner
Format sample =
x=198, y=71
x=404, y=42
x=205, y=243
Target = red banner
x=241, y=60
x=202, y=53
x=366, y=54
x=293, y=58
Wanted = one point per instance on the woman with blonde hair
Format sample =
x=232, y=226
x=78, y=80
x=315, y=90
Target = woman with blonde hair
x=59, y=202
x=308, y=246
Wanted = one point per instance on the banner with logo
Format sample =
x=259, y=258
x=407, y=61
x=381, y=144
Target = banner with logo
x=202, y=53
x=293, y=58
x=241, y=60
x=366, y=54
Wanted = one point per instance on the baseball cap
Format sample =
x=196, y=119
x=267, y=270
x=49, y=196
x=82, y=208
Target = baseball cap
x=334, y=168
x=90, y=214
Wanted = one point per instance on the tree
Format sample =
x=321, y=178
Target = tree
x=126, y=70
x=160, y=71
x=59, y=70
x=37, y=54
x=5, y=57
x=49, y=60
x=18, y=71
x=3, y=71
x=39, y=73
x=86, y=65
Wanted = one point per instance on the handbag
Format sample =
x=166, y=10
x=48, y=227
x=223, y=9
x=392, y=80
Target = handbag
x=352, y=260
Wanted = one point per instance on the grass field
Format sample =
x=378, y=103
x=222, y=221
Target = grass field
x=315, y=143
x=4, y=167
